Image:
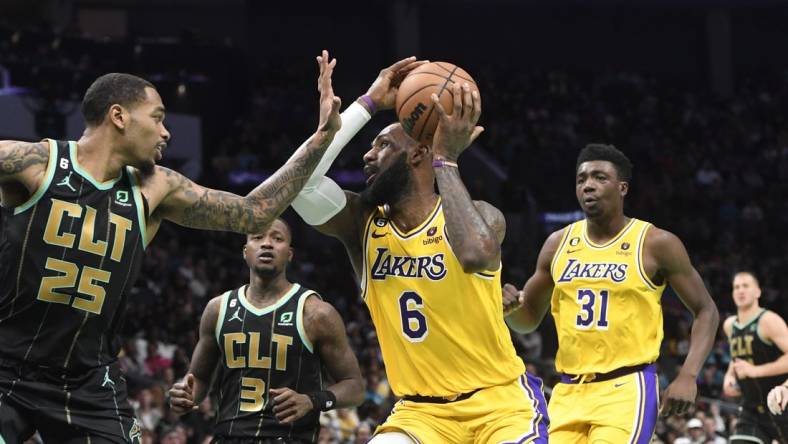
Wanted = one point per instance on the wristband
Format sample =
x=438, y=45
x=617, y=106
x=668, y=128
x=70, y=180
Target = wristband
x=439, y=163
x=323, y=401
x=370, y=104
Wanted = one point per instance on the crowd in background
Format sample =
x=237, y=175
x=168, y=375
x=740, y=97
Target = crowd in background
x=712, y=170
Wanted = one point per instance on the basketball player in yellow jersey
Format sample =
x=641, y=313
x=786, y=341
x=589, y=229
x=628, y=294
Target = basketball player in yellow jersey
x=429, y=267
x=604, y=277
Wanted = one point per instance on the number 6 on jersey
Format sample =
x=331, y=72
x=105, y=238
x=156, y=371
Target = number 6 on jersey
x=414, y=324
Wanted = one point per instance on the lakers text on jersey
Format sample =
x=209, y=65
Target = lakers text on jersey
x=441, y=330
x=607, y=312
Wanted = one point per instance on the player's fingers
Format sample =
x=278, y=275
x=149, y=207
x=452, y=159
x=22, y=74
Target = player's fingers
x=457, y=96
x=438, y=107
x=510, y=288
x=284, y=415
x=411, y=66
x=190, y=380
x=783, y=400
x=181, y=403
x=176, y=393
x=467, y=101
x=336, y=104
x=477, y=106
x=477, y=131
x=401, y=64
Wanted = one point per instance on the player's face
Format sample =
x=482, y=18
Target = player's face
x=269, y=253
x=745, y=290
x=598, y=188
x=147, y=134
x=386, y=167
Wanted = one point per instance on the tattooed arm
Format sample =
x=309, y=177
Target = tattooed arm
x=192, y=205
x=476, y=229
x=23, y=162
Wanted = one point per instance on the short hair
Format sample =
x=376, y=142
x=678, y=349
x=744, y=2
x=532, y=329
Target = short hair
x=609, y=153
x=284, y=222
x=110, y=89
x=750, y=274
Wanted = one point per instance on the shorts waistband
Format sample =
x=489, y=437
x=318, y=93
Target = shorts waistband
x=440, y=399
x=567, y=378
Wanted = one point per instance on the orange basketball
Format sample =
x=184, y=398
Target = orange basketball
x=414, y=105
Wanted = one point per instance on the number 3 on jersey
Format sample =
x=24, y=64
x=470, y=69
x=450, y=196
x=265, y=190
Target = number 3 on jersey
x=414, y=324
x=588, y=300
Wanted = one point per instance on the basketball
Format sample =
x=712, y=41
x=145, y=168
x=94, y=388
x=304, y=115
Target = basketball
x=414, y=105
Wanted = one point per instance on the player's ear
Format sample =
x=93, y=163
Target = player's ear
x=624, y=188
x=244, y=252
x=290, y=255
x=421, y=153
x=118, y=116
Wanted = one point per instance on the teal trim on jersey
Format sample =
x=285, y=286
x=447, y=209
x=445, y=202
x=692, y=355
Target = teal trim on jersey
x=300, y=320
x=741, y=326
x=50, y=173
x=72, y=152
x=261, y=311
x=135, y=191
x=220, y=319
x=758, y=330
x=2, y=441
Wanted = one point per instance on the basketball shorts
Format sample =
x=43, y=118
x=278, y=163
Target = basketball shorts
x=758, y=425
x=515, y=412
x=619, y=410
x=65, y=408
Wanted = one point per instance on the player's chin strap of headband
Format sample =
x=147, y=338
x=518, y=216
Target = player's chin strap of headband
x=321, y=198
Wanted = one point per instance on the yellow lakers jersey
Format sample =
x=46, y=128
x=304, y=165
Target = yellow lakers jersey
x=607, y=312
x=441, y=330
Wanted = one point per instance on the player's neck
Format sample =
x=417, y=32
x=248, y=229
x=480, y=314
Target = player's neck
x=97, y=156
x=412, y=209
x=603, y=228
x=263, y=291
x=746, y=314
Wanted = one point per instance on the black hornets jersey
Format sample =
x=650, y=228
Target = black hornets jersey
x=746, y=343
x=262, y=349
x=67, y=258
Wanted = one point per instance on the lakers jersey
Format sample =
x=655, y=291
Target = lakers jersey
x=67, y=258
x=607, y=311
x=441, y=330
x=261, y=349
x=747, y=343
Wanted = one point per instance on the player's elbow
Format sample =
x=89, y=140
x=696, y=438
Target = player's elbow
x=482, y=259
x=356, y=392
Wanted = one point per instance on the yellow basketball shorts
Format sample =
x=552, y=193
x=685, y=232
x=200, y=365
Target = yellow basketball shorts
x=511, y=413
x=621, y=410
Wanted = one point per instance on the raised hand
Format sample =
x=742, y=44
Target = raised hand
x=330, y=122
x=384, y=89
x=182, y=396
x=457, y=131
x=289, y=405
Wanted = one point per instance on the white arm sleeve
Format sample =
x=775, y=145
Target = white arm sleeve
x=321, y=198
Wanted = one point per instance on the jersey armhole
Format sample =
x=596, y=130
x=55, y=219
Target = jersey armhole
x=639, y=257
x=222, y=314
x=363, y=284
x=48, y=176
x=300, y=319
x=758, y=329
x=557, y=254
x=142, y=205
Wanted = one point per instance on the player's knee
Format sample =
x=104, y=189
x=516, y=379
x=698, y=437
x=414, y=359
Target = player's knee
x=392, y=438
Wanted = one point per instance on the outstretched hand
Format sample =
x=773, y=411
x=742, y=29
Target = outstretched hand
x=383, y=90
x=456, y=131
x=330, y=122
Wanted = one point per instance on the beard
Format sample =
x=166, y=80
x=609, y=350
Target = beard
x=390, y=184
x=146, y=167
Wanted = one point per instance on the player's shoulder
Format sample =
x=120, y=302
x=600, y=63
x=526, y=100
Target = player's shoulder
x=321, y=319
x=727, y=324
x=770, y=319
